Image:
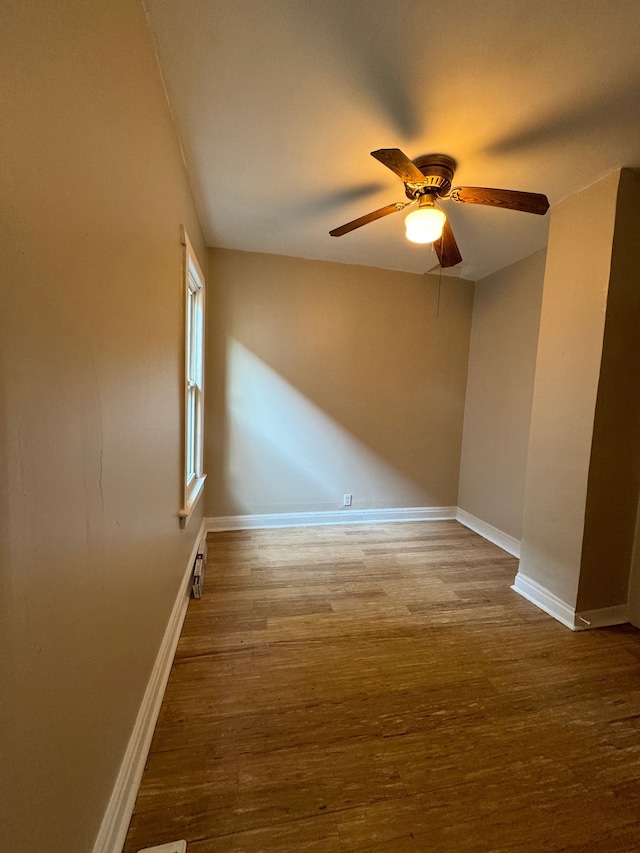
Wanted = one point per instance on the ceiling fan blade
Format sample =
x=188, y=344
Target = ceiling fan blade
x=369, y=217
x=511, y=199
x=398, y=162
x=447, y=248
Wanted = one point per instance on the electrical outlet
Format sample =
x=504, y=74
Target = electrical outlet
x=347, y=500
x=171, y=847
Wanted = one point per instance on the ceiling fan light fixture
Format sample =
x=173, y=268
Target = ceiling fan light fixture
x=425, y=224
x=427, y=180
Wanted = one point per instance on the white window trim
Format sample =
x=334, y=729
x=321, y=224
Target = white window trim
x=193, y=486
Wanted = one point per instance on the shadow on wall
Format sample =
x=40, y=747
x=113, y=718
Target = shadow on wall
x=325, y=379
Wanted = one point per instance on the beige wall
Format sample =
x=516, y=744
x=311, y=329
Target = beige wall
x=502, y=359
x=614, y=468
x=325, y=379
x=566, y=385
x=93, y=194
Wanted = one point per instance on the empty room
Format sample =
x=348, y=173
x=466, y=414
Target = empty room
x=320, y=426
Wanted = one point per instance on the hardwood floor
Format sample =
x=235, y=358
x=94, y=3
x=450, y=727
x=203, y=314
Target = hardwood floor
x=380, y=688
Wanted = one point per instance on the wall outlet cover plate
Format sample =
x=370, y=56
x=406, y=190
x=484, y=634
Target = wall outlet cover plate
x=172, y=847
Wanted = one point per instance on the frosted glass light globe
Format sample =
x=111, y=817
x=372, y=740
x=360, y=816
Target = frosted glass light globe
x=425, y=224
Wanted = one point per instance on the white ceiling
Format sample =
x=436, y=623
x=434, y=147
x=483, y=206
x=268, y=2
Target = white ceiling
x=279, y=102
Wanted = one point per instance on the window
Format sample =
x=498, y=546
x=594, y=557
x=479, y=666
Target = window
x=194, y=476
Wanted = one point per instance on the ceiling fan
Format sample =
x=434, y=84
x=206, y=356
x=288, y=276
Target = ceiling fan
x=427, y=181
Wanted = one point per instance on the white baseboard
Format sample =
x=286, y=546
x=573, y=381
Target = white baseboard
x=602, y=618
x=488, y=531
x=316, y=519
x=545, y=600
x=123, y=797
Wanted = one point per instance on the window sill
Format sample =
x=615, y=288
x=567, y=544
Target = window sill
x=195, y=493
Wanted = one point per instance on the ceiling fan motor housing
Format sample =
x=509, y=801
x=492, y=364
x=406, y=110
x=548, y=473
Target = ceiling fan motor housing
x=438, y=172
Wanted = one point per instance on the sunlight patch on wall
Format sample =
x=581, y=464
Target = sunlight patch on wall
x=284, y=454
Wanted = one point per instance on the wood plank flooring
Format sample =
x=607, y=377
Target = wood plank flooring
x=380, y=688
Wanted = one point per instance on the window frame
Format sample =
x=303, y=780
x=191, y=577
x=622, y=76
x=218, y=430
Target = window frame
x=193, y=282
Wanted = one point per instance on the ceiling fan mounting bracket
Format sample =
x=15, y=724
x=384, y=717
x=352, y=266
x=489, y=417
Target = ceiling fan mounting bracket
x=438, y=172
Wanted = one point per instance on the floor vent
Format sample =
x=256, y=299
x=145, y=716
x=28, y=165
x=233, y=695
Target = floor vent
x=172, y=847
x=198, y=572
